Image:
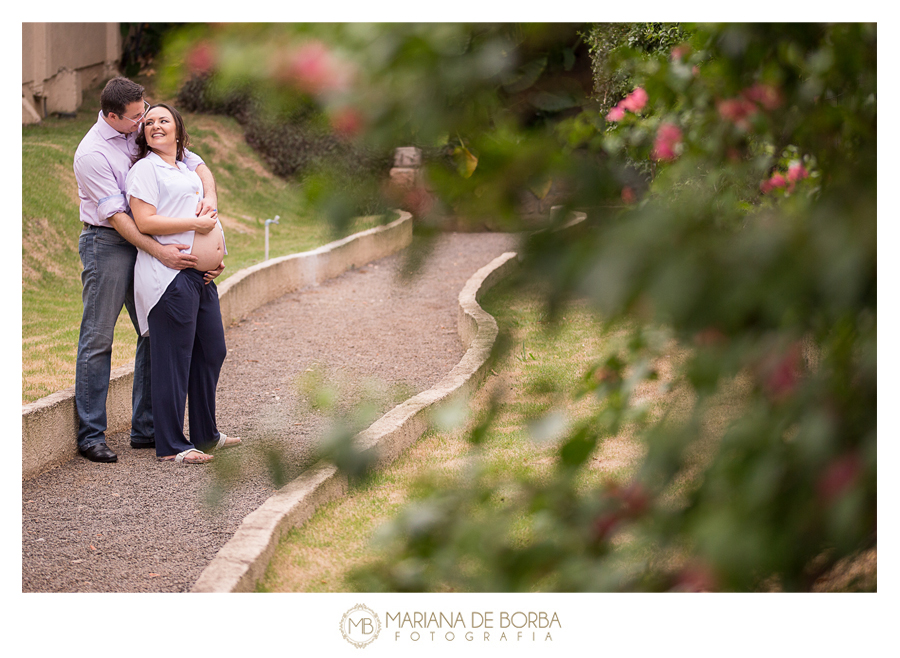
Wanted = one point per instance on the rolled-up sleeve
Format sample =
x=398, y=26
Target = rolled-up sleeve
x=141, y=183
x=97, y=182
x=192, y=160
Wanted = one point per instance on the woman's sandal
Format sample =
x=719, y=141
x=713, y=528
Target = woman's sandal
x=187, y=457
x=227, y=441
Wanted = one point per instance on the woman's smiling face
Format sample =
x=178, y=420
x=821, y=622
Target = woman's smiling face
x=160, y=130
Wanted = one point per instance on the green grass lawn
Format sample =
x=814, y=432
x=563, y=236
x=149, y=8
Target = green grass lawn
x=51, y=268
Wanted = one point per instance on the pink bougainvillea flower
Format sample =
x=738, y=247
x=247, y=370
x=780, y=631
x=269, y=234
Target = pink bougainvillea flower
x=635, y=101
x=668, y=137
x=616, y=114
x=766, y=95
x=201, y=58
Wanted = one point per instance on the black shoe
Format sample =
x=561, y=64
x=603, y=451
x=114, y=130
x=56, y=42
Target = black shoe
x=137, y=445
x=99, y=453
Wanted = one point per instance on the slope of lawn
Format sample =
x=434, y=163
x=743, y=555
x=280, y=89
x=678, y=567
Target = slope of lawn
x=248, y=194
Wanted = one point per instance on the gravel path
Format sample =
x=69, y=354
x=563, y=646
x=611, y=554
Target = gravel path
x=143, y=526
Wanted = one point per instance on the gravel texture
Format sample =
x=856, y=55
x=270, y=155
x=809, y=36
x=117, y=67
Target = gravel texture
x=143, y=526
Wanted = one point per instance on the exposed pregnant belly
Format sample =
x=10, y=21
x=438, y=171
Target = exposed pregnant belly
x=208, y=249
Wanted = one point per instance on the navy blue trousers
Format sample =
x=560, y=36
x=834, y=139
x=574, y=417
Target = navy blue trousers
x=187, y=349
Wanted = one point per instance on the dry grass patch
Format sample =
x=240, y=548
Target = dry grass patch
x=48, y=359
x=45, y=259
x=231, y=142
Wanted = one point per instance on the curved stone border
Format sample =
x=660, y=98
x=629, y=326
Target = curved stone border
x=50, y=426
x=241, y=563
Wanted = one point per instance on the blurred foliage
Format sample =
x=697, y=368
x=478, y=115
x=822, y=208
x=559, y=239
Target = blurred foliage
x=296, y=142
x=606, y=40
x=141, y=43
x=732, y=200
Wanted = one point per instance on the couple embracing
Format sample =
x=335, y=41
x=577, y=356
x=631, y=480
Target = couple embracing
x=151, y=241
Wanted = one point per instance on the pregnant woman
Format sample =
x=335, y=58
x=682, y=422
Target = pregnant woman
x=178, y=308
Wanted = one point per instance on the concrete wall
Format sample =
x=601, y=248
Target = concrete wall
x=50, y=426
x=60, y=60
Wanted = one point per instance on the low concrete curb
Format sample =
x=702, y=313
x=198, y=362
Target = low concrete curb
x=241, y=563
x=50, y=426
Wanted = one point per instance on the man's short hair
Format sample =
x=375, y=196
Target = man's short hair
x=117, y=94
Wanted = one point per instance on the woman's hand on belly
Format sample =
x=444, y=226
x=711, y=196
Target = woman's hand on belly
x=212, y=274
x=206, y=223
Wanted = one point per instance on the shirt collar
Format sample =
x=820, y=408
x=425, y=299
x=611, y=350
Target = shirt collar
x=107, y=132
x=159, y=162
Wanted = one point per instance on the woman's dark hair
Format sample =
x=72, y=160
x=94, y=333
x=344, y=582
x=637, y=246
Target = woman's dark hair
x=181, y=135
x=118, y=93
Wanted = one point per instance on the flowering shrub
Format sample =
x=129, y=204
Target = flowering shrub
x=731, y=202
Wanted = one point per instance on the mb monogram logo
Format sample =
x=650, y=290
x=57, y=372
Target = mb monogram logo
x=360, y=626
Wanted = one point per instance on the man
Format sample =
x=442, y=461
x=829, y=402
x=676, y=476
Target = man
x=108, y=247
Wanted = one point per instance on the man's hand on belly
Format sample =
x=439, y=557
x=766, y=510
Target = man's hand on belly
x=171, y=256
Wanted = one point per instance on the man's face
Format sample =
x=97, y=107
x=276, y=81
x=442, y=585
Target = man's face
x=130, y=120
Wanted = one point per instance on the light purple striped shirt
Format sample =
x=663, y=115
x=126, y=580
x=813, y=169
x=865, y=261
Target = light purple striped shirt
x=102, y=161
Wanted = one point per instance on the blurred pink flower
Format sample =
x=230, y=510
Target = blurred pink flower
x=628, y=195
x=839, y=476
x=668, y=137
x=313, y=68
x=616, y=114
x=696, y=577
x=635, y=499
x=775, y=181
x=766, y=95
x=710, y=337
x=796, y=172
x=635, y=101
x=680, y=52
x=201, y=57
x=418, y=200
x=737, y=110
x=780, y=371
x=605, y=525
x=346, y=122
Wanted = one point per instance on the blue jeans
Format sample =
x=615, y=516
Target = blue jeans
x=107, y=285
